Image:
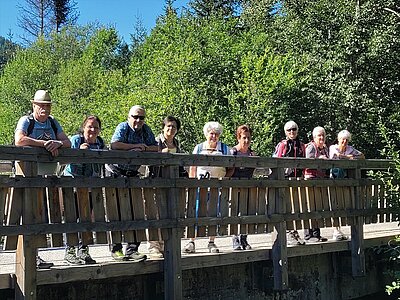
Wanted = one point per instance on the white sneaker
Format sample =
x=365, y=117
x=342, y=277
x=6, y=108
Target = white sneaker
x=339, y=235
x=189, y=248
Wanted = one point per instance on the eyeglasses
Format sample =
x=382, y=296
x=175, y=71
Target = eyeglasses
x=291, y=129
x=141, y=118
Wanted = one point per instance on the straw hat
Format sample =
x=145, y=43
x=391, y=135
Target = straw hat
x=42, y=96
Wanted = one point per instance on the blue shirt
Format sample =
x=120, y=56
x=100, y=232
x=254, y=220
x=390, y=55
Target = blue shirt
x=124, y=133
x=87, y=170
x=41, y=131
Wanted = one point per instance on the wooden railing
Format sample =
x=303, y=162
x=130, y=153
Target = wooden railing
x=170, y=207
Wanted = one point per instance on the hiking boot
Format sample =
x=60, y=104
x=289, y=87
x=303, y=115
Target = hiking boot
x=135, y=256
x=84, y=256
x=339, y=235
x=212, y=248
x=293, y=238
x=41, y=264
x=244, y=243
x=155, y=253
x=236, y=243
x=314, y=236
x=118, y=255
x=70, y=256
x=189, y=248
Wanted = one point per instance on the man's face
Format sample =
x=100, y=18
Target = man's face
x=136, y=119
x=41, y=110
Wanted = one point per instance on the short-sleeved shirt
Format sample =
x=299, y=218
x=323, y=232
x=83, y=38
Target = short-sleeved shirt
x=41, y=131
x=242, y=172
x=126, y=134
x=87, y=170
x=350, y=150
x=215, y=172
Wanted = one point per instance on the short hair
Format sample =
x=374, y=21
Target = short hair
x=171, y=119
x=290, y=124
x=212, y=126
x=317, y=130
x=241, y=129
x=344, y=134
x=90, y=117
x=135, y=108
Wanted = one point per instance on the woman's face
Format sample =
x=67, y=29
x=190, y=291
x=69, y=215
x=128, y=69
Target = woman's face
x=212, y=138
x=342, y=142
x=170, y=129
x=319, y=139
x=91, y=130
x=244, y=140
x=291, y=133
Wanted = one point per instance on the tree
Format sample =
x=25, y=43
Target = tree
x=207, y=8
x=64, y=13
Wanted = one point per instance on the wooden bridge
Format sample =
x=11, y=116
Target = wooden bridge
x=38, y=211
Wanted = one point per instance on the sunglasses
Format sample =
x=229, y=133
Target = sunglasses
x=291, y=129
x=141, y=118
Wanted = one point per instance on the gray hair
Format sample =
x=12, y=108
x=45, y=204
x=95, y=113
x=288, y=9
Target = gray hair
x=212, y=126
x=344, y=134
x=135, y=108
x=318, y=130
x=290, y=124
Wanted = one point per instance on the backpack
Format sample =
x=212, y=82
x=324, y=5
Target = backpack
x=224, y=149
x=32, y=125
x=285, y=148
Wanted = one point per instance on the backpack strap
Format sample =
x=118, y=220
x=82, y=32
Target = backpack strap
x=32, y=125
x=234, y=151
x=199, y=148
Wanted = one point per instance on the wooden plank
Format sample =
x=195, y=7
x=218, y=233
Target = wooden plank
x=382, y=203
x=138, y=211
x=99, y=213
x=191, y=212
x=271, y=207
x=304, y=206
x=37, y=211
x=162, y=203
x=233, y=228
x=213, y=209
x=348, y=201
x=224, y=209
x=202, y=211
x=311, y=205
x=326, y=205
x=82, y=196
x=243, y=207
x=318, y=204
x=3, y=202
x=53, y=198
x=290, y=208
x=124, y=200
x=112, y=211
x=70, y=213
x=151, y=210
x=252, y=208
x=340, y=203
x=366, y=192
x=295, y=203
x=13, y=216
x=261, y=208
x=374, y=201
x=183, y=198
x=333, y=203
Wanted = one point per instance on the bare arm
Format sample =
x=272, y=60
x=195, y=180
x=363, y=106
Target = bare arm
x=192, y=172
x=134, y=147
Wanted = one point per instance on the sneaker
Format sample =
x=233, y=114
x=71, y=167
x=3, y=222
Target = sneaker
x=212, y=248
x=118, y=255
x=314, y=236
x=244, y=243
x=136, y=256
x=293, y=238
x=339, y=235
x=236, y=243
x=155, y=253
x=41, y=264
x=84, y=256
x=70, y=256
x=189, y=248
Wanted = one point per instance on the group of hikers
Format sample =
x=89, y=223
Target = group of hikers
x=40, y=129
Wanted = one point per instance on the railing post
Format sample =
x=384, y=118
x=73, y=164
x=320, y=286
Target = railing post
x=172, y=253
x=25, y=270
x=279, y=246
x=357, y=231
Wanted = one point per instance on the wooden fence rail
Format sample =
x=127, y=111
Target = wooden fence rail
x=37, y=211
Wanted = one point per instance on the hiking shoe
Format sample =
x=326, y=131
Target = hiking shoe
x=293, y=238
x=244, y=243
x=339, y=235
x=118, y=255
x=236, y=243
x=155, y=253
x=189, y=248
x=70, y=256
x=212, y=248
x=41, y=264
x=314, y=236
x=84, y=256
x=136, y=256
